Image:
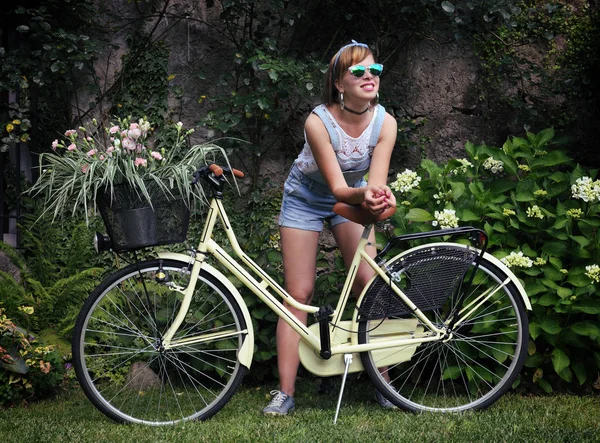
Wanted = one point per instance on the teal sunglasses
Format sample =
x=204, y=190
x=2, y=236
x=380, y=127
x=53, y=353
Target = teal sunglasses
x=359, y=70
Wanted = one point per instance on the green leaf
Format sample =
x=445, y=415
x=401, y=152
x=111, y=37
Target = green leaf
x=588, y=306
x=544, y=136
x=583, y=241
x=587, y=328
x=552, y=158
x=560, y=360
x=534, y=330
x=418, y=215
x=564, y=292
x=524, y=196
x=547, y=387
x=578, y=280
x=458, y=189
x=263, y=103
x=452, y=373
x=548, y=299
x=579, y=370
x=468, y=215
x=566, y=374
x=551, y=325
x=274, y=256
x=557, y=249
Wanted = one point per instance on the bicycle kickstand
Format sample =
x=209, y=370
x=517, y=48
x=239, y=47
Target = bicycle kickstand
x=348, y=362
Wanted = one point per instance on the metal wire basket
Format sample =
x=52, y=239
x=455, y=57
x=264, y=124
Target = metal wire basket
x=133, y=223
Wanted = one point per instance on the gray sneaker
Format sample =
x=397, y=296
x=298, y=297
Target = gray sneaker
x=280, y=404
x=384, y=402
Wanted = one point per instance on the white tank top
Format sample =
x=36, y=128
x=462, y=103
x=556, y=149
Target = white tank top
x=352, y=153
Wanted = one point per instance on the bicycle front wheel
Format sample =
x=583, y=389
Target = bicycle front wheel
x=485, y=340
x=127, y=371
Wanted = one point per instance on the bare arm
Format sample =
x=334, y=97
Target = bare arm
x=376, y=194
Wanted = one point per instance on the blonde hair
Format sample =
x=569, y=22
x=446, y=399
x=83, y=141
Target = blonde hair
x=347, y=56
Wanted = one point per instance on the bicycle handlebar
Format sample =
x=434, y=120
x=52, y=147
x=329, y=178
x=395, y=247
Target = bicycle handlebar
x=218, y=171
x=213, y=172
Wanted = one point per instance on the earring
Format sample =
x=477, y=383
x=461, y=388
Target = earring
x=342, y=101
x=376, y=101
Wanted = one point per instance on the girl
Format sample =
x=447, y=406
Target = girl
x=347, y=137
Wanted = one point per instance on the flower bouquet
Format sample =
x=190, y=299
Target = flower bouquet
x=140, y=182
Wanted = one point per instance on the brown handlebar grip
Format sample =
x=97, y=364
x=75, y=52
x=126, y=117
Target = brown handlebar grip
x=237, y=173
x=216, y=169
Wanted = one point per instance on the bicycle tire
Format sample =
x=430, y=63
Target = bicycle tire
x=476, y=364
x=119, y=359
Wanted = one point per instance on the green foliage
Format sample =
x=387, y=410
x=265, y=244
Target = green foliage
x=28, y=369
x=51, y=59
x=261, y=96
x=143, y=87
x=565, y=37
x=540, y=212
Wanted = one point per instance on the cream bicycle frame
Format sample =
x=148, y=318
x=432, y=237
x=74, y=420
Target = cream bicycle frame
x=263, y=286
x=268, y=291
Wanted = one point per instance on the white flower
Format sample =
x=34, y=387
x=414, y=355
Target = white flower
x=446, y=218
x=535, y=212
x=517, y=259
x=464, y=166
x=495, y=166
x=144, y=125
x=593, y=272
x=586, y=189
x=405, y=181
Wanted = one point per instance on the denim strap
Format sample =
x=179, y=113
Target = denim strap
x=333, y=135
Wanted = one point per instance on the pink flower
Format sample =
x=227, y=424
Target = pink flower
x=54, y=145
x=72, y=147
x=110, y=149
x=85, y=168
x=140, y=161
x=70, y=132
x=114, y=129
x=156, y=155
x=102, y=157
x=128, y=143
x=134, y=131
x=92, y=152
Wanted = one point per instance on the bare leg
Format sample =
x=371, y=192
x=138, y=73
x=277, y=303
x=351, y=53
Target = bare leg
x=299, y=249
x=347, y=236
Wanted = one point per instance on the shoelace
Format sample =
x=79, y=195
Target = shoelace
x=279, y=398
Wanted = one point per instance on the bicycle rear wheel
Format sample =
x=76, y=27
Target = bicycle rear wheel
x=486, y=340
x=119, y=357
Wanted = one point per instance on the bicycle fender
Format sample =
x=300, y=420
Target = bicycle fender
x=247, y=350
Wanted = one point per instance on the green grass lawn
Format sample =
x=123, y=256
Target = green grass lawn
x=560, y=418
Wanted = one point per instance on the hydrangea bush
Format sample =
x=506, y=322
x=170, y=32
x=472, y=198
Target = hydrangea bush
x=540, y=211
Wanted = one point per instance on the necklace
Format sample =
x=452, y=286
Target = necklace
x=352, y=111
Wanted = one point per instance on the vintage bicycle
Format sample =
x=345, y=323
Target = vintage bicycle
x=169, y=339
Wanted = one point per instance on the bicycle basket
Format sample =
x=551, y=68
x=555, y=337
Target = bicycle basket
x=427, y=277
x=132, y=223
